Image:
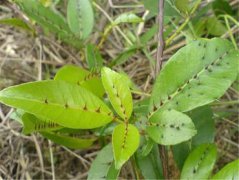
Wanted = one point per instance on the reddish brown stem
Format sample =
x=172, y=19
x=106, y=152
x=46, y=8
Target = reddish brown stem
x=160, y=48
x=158, y=66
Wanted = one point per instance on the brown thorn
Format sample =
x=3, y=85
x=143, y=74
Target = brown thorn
x=85, y=108
x=98, y=110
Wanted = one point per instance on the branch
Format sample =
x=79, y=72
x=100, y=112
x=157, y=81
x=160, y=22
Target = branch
x=159, y=59
x=160, y=48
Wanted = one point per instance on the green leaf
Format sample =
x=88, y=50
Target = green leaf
x=230, y=171
x=146, y=147
x=103, y=166
x=50, y=20
x=221, y=7
x=33, y=124
x=200, y=162
x=203, y=119
x=80, y=17
x=170, y=127
x=127, y=18
x=81, y=77
x=148, y=35
x=17, y=23
x=93, y=57
x=206, y=68
x=124, y=56
x=68, y=141
x=215, y=26
x=183, y=5
x=210, y=25
x=150, y=165
x=17, y=115
x=125, y=141
x=141, y=107
x=63, y=103
x=180, y=153
x=118, y=92
x=169, y=8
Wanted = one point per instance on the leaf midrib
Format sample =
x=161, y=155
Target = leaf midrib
x=58, y=105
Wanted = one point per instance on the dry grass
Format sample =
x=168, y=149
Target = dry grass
x=24, y=58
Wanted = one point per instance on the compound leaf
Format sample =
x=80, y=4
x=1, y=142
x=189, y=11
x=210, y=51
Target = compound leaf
x=81, y=77
x=206, y=69
x=103, y=166
x=230, y=171
x=200, y=162
x=63, y=103
x=170, y=127
x=80, y=17
x=125, y=141
x=118, y=92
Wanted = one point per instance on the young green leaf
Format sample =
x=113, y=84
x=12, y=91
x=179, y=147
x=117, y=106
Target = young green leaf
x=124, y=56
x=125, y=141
x=118, y=92
x=50, y=20
x=17, y=23
x=170, y=127
x=127, y=18
x=200, y=162
x=215, y=27
x=81, y=77
x=80, y=17
x=103, y=166
x=63, y=103
x=146, y=148
x=206, y=69
x=230, y=171
x=33, y=124
x=68, y=141
x=93, y=57
x=183, y=6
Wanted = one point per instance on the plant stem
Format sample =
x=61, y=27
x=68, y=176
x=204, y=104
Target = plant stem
x=230, y=32
x=135, y=168
x=160, y=48
x=168, y=41
x=140, y=93
x=225, y=103
x=163, y=152
x=158, y=66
